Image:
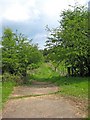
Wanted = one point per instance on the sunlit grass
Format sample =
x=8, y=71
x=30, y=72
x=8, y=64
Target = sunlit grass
x=69, y=86
x=44, y=72
x=74, y=86
x=7, y=88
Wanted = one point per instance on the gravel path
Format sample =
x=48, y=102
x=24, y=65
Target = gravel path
x=47, y=106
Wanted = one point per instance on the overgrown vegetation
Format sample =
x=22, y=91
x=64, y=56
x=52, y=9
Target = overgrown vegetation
x=69, y=42
x=7, y=88
x=68, y=86
x=18, y=53
x=67, y=54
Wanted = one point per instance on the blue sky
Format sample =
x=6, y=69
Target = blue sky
x=31, y=16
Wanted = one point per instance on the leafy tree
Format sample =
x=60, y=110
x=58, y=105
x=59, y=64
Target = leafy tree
x=70, y=42
x=75, y=38
x=18, y=53
x=55, y=47
x=9, y=56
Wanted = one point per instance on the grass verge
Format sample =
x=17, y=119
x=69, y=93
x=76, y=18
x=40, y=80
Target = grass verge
x=73, y=86
x=7, y=88
x=68, y=86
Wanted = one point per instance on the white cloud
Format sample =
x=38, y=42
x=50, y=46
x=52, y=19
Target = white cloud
x=53, y=7
x=16, y=13
x=21, y=10
x=33, y=14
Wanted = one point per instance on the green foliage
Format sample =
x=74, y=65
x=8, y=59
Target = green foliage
x=62, y=69
x=43, y=73
x=74, y=86
x=32, y=66
x=68, y=86
x=69, y=42
x=7, y=88
x=8, y=83
x=7, y=77
x=18, y=79
x=18, y=53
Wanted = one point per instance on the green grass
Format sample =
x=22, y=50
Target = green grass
x=7, y=88
x=43, y=73
x=73, y=86
x=69, y=86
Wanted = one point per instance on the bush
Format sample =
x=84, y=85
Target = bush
x=33, y=66
x=7, y=77
x=12, y=78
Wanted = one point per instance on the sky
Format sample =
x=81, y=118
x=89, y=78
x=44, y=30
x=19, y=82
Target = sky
x=30, y=17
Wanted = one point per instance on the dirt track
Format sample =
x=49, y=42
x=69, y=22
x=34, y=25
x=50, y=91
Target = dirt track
x=46, y=106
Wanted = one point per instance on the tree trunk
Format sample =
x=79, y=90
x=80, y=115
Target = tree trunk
x=81, y=70
x=55, y=69
x=68, y=69
x=24, y=74
x=88, y=70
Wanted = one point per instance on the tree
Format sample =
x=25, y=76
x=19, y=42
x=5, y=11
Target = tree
x=75, y=38
x=9, y=55
x=70, y=40
x=18, y=53
x=55, y=47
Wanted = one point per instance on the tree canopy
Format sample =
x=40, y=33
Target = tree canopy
x=69, y=42
x=18, y=53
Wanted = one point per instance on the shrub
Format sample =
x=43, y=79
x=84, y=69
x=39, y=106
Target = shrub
x=12, y=78
x=7, y=77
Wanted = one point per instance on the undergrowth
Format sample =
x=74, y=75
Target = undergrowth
x=69, y=86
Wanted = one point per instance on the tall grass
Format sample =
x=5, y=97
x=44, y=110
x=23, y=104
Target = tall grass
x=7, y=88
x=43, y=73
x=73, y=86
x=69, y=86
